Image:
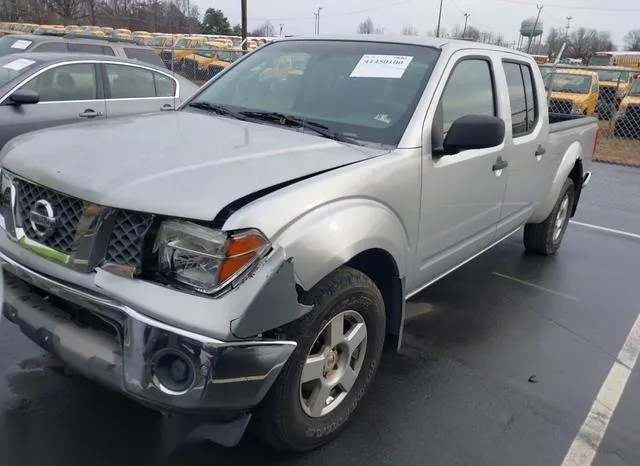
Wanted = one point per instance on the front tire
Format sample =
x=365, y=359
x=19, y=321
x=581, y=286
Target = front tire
x=545, y=238
x=340, y=344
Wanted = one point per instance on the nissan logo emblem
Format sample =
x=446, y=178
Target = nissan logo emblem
x=42, y=219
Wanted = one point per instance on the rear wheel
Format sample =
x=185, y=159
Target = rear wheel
x=339, y=347
x=545, y=238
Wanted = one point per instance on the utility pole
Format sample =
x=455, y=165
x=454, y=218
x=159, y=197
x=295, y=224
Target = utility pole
x=281, y=27
x=439, y=19
x=569, y=18
x=535, y=25
x=244, y=24
x=317, y=15
x=466, y=19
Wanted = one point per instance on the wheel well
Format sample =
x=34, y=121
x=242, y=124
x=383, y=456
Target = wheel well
x=576, y=176
x=380, y=267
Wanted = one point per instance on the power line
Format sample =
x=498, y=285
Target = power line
x=337, y=15
x=569, y=7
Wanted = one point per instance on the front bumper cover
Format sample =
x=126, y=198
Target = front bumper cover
x=123, y=354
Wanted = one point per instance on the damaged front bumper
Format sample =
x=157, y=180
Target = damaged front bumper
x=160, y=365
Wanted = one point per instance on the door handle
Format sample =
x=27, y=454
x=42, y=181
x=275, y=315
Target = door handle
x=89, y=113
x=500, y=164
x=166, y=108
x=540, y=151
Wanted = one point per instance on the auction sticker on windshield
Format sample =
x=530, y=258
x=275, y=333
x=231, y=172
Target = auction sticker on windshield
x=19, y=64
x=21, y=44
x=381, y=66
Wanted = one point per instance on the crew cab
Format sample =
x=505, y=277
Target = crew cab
x=255, y=280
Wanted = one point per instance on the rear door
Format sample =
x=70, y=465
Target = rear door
x=529, y=175
x=133, y=89
x=69, y=93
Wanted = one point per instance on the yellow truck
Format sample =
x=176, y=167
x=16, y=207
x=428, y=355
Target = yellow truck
x=615, y=83
x=627, y=120
x=573, y=91
x=196, y=65
x=184, y=47
x=223, y=59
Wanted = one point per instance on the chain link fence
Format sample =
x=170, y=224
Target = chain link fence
x=614, y=101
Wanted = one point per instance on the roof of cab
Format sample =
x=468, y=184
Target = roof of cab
x=435, y=42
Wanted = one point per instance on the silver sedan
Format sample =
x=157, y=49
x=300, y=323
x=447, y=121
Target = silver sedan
x=40, y=90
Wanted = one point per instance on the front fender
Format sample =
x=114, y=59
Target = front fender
x=329, y=236
x=573, y=153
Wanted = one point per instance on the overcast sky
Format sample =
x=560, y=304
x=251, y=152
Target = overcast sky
x=505, y=16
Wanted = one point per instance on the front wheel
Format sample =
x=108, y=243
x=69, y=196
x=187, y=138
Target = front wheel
x=339, y=348
x=545, y=238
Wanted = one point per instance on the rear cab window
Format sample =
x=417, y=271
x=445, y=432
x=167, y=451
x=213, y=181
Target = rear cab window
x=9, y=45
x=90, y=48
x=522, y=97
x=144, y=55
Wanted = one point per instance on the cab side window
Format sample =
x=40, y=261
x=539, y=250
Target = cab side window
x=66, y=83
x=524, y=108
x=470, y=90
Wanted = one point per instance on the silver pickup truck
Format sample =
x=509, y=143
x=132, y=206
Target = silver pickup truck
x=244, y=259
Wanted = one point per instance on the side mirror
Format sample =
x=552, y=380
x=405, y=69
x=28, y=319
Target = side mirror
x=24, y=97
x=473, y=132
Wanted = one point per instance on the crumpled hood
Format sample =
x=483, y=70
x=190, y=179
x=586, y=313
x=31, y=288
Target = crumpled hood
x=186, y=163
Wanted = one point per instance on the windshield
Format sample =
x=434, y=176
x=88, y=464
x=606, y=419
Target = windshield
x=230, y=56
x=158, y=41
x=182, y=43
x=360, y=90
x=574, y=83
x=613, y=76
x=635, y=89
x=11, y=68
x=599, y=61
x=10, y=45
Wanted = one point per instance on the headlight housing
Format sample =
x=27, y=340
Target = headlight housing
x=575, y=109
x=622, y=112
x=203, y=259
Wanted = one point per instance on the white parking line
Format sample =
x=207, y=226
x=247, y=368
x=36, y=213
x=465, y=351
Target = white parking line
x=585, y=446
x=537, y=287
x=608, y=230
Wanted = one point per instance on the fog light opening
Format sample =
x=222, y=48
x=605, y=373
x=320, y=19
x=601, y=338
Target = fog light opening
x=172, y=371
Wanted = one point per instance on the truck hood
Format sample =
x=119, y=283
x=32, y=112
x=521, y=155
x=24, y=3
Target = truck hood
x=630, y=100
x=573, y=97
x=186, y=164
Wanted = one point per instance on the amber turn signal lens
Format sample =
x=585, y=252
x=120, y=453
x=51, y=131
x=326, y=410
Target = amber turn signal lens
x=240, y=252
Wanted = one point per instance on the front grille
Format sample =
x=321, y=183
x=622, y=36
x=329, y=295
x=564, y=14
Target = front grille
x=127, y=239
x=215, y=69
x=67, y=211
x=607, y=94
x=560, y=106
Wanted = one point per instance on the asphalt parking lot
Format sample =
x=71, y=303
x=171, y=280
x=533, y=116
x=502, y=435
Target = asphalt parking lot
x=501, y=365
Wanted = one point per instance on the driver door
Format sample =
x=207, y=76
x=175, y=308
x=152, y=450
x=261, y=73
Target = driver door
x=68, y=94
x=462, y=194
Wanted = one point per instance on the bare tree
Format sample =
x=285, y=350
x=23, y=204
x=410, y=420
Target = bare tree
x=367, y=27
x=409, y=31
x=555, y=38
x=68, y=10
x=265, y=30
x=632, y=40
x=582, y=43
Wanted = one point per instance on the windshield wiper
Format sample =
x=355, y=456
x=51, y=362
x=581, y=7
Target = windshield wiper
x=217, y=108
x=283, y=119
